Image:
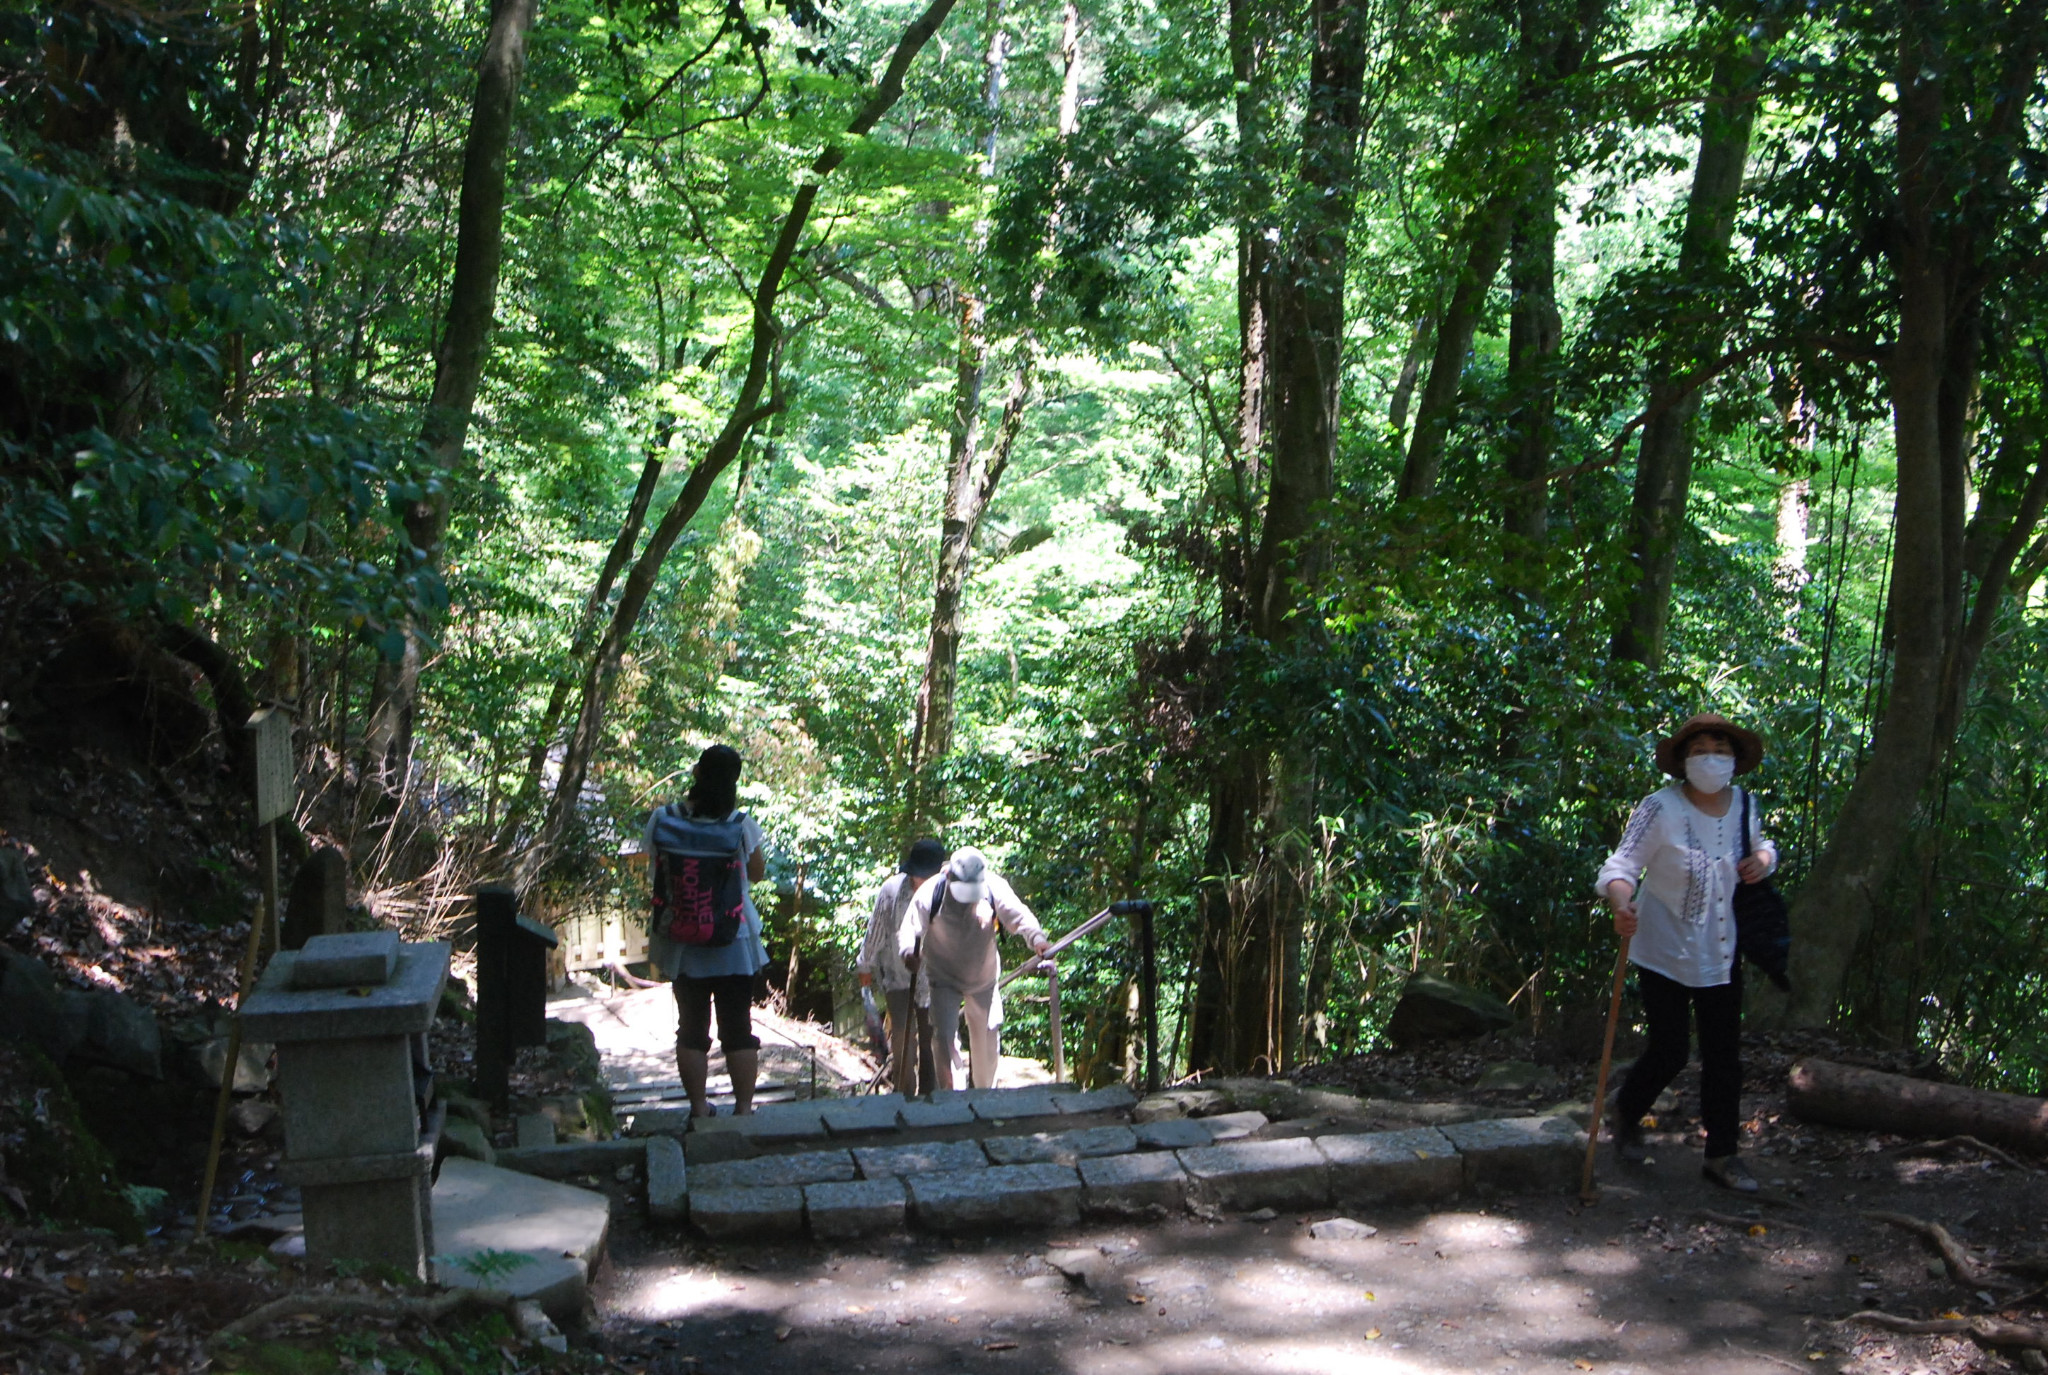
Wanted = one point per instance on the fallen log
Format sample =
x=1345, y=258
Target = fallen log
x=1850, y=1096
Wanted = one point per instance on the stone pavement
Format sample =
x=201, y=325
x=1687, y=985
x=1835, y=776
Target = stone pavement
x=830, y=1162
x=986, y=1160
x=532, y=1238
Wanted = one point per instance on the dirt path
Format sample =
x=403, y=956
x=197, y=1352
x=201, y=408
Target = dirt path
x=1637, y=1283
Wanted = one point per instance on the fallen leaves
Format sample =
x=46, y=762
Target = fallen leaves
x=1372, y=1334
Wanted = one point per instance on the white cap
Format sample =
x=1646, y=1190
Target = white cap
x=967, y=877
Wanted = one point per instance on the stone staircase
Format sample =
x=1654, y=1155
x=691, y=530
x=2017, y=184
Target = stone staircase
x=987, y=1160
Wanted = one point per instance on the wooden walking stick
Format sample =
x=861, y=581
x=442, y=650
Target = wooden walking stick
x=1587, y=1193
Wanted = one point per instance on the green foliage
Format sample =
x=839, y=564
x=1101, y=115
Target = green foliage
x=66, y=1174
x=216, y=370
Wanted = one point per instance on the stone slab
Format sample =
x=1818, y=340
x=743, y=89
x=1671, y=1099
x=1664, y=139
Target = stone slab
x=573, y=1157
x=876, y=1112
x=1173, y=1134
x=996, y=1199
x=464, y=1137
x=767, y=1171
x=1113, y=1098
x=534, y=1129
x=708, y=1148
x=1518, y=1153
x=662, y=1122
x=404, y=1005
x=481, y=1208
x=1061, y=1148
x=351, y=959
x=950, y=1112
x=1259, y=1174
x=668, y=1181
x=1190, y=1102
x=1119, y=1185
x=783, y=1122
x=1412, y=1166
x=1008, y=1105
x=748, y=1214
x=557, y=1284
x=881, y=1162
x=1233, y=1126
x=861, y=1208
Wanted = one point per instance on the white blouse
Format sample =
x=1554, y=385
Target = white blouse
x=1683, y=863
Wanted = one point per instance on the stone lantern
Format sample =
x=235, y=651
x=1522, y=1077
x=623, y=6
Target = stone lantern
x=349, y=1016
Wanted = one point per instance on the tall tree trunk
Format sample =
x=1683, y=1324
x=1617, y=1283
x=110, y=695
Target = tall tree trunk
x=1235, y=786
x=968, y=495
x=1535, y=330
x=652, y=466
x=746, y=412
x=1521, y=210
x=1486, y=233
x=973, y=476
x=1939, y=284
x=1263, y=800
x=1664, y=455
x=459, y=362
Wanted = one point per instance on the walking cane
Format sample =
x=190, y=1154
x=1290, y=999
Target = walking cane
x=1587, y=1193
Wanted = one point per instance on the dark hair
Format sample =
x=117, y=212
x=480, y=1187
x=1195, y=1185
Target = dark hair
x=924, y=858
x=714, y=789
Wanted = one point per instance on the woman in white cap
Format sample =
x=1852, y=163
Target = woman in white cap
x=950, y=930
x=1671, y=886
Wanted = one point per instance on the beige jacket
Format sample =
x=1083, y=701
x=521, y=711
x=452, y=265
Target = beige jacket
x=958, y=943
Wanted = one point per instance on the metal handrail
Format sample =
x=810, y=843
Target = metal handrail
x=1046, y=962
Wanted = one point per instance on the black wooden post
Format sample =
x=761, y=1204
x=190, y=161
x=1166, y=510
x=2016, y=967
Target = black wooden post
x=1148, y=983
x=511, y=988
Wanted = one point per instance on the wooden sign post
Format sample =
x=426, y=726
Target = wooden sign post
x=270, y=730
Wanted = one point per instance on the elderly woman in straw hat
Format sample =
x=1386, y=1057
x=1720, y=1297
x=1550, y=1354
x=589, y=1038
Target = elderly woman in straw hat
x=1671, y=885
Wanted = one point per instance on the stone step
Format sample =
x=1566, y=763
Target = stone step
x=1053, y=1178
x=485, y=1217
x=813, y=1121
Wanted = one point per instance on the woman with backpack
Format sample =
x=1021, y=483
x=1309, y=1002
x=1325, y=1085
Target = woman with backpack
x=1671, y=886
x=705, y=856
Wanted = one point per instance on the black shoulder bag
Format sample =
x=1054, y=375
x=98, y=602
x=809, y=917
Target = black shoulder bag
x=1763, y=934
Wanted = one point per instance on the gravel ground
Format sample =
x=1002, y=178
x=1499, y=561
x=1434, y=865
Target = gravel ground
x=1642, y=1281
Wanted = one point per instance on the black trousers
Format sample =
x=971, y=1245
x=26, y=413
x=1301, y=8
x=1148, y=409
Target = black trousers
x=1668, y=1007
x=734, y=995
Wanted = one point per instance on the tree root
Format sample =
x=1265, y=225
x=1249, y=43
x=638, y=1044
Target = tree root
x=1959, y=1263
x=328, y=1305
x=1989, y=1331
x=1970, y=1142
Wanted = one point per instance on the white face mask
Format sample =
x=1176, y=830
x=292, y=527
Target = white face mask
x=1709, y=772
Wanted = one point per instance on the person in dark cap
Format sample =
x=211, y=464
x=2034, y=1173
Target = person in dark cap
x=1671, y=886
x=909, y=996
x=950, y=930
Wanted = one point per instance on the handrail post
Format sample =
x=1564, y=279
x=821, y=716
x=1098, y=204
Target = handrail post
x=1149, y=959
x=1059, y=1048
